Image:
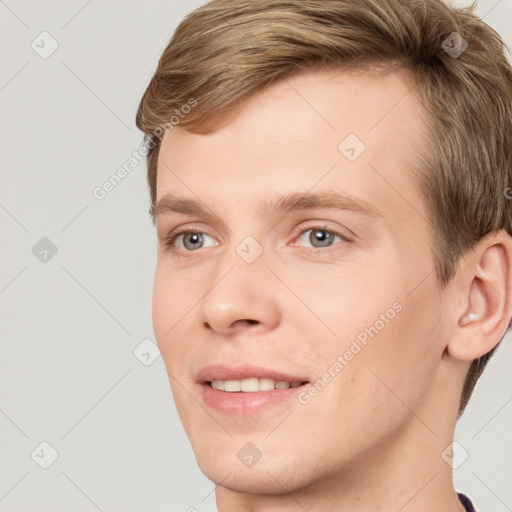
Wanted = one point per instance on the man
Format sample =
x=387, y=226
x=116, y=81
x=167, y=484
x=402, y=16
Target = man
x=334, y=266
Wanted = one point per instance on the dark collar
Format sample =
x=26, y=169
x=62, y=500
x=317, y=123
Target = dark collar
x=466, y=502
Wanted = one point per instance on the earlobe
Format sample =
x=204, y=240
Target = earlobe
x=487, y=298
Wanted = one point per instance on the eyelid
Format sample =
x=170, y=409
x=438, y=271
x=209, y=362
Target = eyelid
x=320, y=225
x=169, y=239
x=189, y=227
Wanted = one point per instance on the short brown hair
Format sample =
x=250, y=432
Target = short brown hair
x=227, y=50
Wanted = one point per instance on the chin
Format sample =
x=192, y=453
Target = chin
x=250, y=481
x=246, y=482
x=270, y=476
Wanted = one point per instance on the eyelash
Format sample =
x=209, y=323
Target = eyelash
x=172, y=237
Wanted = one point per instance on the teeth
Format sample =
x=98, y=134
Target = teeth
x=252, y=385
x=232, y=385
x=267, y=384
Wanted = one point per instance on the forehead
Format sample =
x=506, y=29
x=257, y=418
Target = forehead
x=358, y=133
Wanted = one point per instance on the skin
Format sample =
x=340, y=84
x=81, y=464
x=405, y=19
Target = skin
x=372, y=439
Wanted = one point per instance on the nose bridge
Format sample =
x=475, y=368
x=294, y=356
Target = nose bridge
x=239, y=288
x=243, y=255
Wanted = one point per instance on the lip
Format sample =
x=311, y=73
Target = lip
x=224, y=372
x=240, y=403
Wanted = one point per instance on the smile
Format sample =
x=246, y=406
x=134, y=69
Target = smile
x=248, y=389
x=252, y=385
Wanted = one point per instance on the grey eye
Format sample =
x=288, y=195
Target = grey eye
x=321, y=238
x=192, y=241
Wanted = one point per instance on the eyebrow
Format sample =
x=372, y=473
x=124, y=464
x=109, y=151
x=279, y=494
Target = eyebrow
x=296, y=201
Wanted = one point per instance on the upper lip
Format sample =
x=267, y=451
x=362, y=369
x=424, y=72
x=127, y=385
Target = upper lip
x=239, y=372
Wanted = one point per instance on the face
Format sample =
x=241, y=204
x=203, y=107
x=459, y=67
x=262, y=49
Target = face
x=294, y=298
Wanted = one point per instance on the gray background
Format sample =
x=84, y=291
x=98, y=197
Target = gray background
x=71, y=322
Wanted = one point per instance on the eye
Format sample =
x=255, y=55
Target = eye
x=189, y=241
x=320, y=236
x=317, y=236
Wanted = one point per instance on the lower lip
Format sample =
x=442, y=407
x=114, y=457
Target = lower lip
x=246, y=403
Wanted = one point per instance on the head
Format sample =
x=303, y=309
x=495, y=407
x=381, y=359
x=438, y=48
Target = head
x=386, y=132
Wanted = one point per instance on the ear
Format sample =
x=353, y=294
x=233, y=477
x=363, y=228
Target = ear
x=485, y=276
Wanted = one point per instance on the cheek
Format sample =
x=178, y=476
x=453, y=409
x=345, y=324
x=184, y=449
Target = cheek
x=388, y=337
x=344, y=305
x=375, y=391
x=172, y=301
x=162, y=306
x=170, y=304
x=397, y=363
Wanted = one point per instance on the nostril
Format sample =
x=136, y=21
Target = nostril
x=237, y=323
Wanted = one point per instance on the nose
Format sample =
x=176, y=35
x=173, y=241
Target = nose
x=241, y=296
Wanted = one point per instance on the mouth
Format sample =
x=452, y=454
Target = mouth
x=253, y=385
x=248, y=389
